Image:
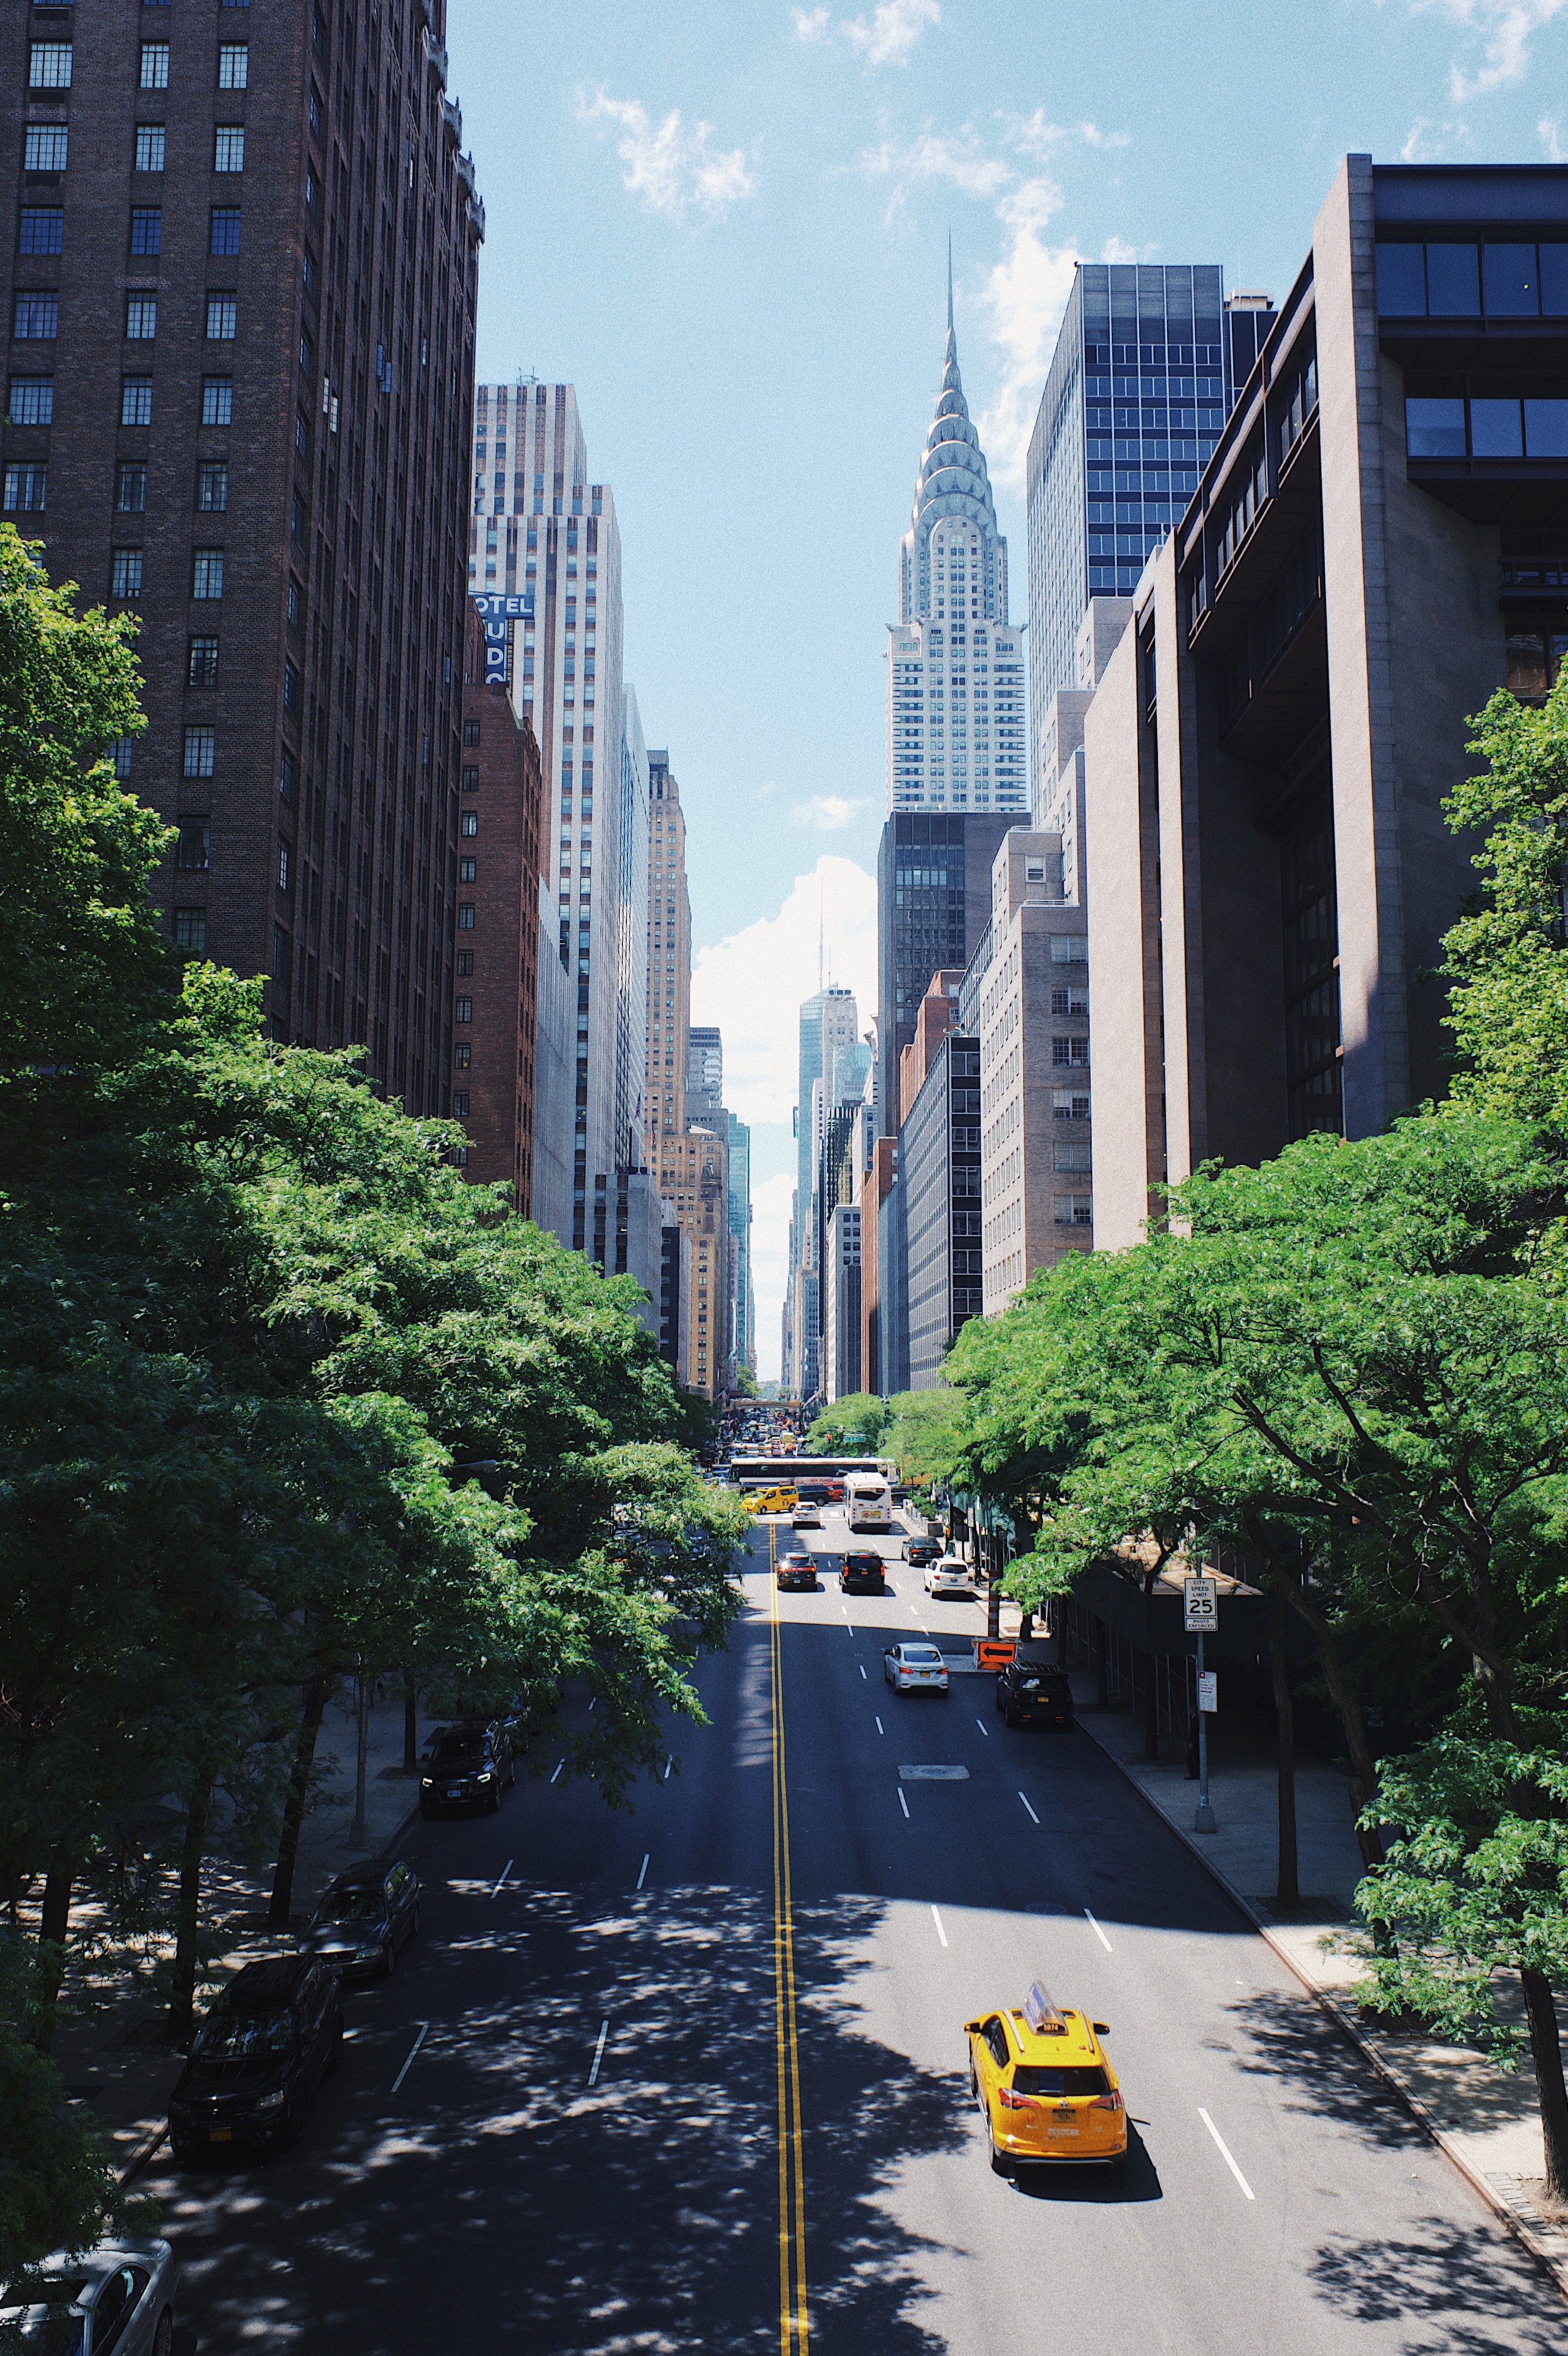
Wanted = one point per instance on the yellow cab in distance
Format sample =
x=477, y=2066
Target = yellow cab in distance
x=1045, y=2087
x=773, y=1500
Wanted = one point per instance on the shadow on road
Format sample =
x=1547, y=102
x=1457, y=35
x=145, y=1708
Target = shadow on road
x=1445, y=2289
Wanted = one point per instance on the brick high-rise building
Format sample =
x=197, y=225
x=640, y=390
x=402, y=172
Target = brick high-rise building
x=240, y=304
x=669, y=956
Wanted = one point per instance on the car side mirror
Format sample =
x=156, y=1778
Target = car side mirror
x=972, y=2028
x=1101, y=2027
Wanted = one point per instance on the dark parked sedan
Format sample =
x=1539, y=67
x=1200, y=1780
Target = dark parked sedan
x=863, y=1574
x=364, y=1918
x=1030, y=1693
x=921, y=1551
x=257, y=2057
x=470, y=1765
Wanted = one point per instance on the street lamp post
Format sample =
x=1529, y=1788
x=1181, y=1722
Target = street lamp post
x=1204, y=1822
x=1200, y=1617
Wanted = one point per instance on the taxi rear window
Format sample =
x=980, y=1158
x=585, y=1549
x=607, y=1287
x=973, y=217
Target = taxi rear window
x=1029, y=2079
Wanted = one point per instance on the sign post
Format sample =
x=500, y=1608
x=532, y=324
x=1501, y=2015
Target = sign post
x=1200, y=1617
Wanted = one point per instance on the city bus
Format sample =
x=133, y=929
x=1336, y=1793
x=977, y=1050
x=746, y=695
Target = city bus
x=867, y=1503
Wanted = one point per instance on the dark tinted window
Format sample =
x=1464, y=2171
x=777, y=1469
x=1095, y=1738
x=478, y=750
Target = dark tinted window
x=361, y=1905
x=1029, y=2079
x=1508, y=272
x=455, y=1749
x=227, y=2035
x=1453, y=282
x=1553, y=279
x=1401, y=281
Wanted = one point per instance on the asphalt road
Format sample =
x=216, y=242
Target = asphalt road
x=781, y=2026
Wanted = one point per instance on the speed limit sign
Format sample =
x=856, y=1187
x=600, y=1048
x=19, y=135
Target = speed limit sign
x=1201, y=1616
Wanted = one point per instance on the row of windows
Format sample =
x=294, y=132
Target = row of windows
x=51, y=65
x=46, y=147
x=1452, y=280
x=42, y=229
x=1506, y=426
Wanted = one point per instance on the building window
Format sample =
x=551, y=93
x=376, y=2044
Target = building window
x=224, y=236
x=1535, y=658
x=459, y=1104
x=42, y=229
x=202, y=668
x=468, y=870
x=212, y=486
x=131, y=488
x=26, y=489
x=147, y=230
x=302, y=434
x=194, y=847
x=465, y=961
x=36, y=317
x=49, y=68
x=32, y=401
x=45, y=148
x=141, y=318
x=1068, y=1105
x=136, y=401
x=151, y=144
x=190, y=931
x=287, y=774
x=228, y=153
x=216, y=401
x=201, y=752
x=282, y=863
x=120, y=753
x=233, y=65
x=125, y=577
x=1069, y=948
x=207, y=573
x=155, y=65
x=462, y=1010
x=222, y=313
x=471, y=736
x=465, y=915
x=290, y=685
x=462, y=1055
x=469, y=822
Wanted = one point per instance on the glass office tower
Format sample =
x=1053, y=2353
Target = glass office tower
x=1146, y=369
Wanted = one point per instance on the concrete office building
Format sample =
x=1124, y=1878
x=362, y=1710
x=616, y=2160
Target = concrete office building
x=956, y=732
x=538, y=524
x=1142, y=381
x=1376, y=546
x=742, y=1346
x=933, y=901
x=669, y=956
x=635, y=845
x=841, y=1294
x=704, y=1075
x=238, y=410
x=1019, y=999
x=939, y=1179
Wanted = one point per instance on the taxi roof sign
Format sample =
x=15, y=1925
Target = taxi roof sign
x=1042, y=2013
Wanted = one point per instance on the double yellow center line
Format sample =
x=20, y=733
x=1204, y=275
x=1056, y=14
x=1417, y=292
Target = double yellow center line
x=794, y=2324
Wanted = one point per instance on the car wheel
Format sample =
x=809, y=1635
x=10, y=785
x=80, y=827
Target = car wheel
x=1000, y=2163
x=182, y=2150
x=291, y=2124
x=496, y=1800
x=511, y=1772
x=413, y=1925
x=388, y=1957
x=334, y=2059
x=163, y=2337
x=1012, y=1717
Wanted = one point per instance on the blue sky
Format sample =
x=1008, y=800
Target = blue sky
x=726, y=226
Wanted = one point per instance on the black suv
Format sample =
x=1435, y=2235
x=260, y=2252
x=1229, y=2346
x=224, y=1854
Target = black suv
x=469, y=1766
x=364, y=1918
x=863, y=1574
x=257, y=2057
x=1032, y=1691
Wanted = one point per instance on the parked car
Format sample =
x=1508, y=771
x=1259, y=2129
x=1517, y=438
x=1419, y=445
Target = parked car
x=797, y=1570
x=119, y=2296
x=863, y=1574
x=258, y=2057
x=920, y=1551
x=364, y=1917
x=1032, y=1691
x=470, y=1766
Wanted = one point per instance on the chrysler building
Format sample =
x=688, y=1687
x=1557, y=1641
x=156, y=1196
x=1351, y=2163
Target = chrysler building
x=956, y=736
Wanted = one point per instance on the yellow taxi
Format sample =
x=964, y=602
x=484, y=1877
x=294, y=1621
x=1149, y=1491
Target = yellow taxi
x=773, y=1500
x=1045, y=2087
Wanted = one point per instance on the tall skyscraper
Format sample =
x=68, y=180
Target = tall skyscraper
x=237, y=410
x=539, y=524
x=1147, y=368
x=933, y=901
x=704, y=1075
x=956, y=737
x=669, y=956
x=745, y=1343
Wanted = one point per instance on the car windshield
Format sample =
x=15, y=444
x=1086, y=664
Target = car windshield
x=230, y=2035
x=1030, y=2079
x=922, y=1654
x=46, y=2325
x=355, y=1905
x=457, y=1749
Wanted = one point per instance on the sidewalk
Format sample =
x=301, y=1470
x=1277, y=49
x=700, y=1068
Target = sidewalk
x=1487, y=2123
x=118, y=2059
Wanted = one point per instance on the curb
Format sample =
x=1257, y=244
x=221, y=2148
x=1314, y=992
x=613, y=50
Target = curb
x=141, y=2156
x=1350, y=2029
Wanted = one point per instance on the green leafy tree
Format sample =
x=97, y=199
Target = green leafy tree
x=855, y=1421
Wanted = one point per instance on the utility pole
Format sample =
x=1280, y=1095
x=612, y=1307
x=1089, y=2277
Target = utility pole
x=1200, y=1616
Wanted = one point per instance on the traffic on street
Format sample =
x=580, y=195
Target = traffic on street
x=877, y=2023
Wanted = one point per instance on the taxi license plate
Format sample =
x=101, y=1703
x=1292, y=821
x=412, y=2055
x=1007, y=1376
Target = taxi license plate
x=1071, y=2133
x=220, y=2135
x=453, y=1792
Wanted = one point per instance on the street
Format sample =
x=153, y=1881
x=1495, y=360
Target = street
x=676, y=2083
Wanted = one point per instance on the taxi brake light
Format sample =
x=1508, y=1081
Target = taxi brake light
x=1010, y=2101
x=1111, y=2102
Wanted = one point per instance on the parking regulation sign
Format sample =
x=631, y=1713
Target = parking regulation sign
x=1201, y=1611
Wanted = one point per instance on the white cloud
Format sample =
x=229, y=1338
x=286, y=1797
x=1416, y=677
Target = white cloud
x=893, y=31
x=1504, y=28
x=933, y=157
x=771, y=1266
x=1036, y=134
x=810, y=24
x=668, y=165
x=1549, y=132
x=1414, y=148
x=1093, y=136
x=825, y=813
x=1025, y=294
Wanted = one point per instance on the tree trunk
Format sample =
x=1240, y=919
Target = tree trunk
x=54, y=1928
x=282, y=1900
x=1546, y=2052
x=1287, y=1880
x=409, y=1723
x=188, y=1918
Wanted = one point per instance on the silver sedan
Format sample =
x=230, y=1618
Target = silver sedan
x=120, y=2295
